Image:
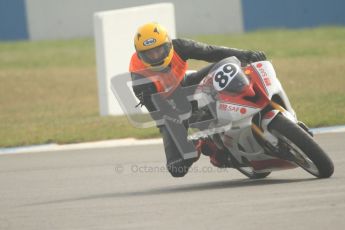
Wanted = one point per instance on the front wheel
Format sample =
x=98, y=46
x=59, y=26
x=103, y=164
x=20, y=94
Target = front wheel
x=301, y=148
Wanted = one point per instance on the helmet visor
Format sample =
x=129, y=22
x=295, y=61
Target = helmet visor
x=155, y=56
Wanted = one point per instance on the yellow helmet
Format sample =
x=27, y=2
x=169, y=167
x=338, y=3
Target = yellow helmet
x=153, y=46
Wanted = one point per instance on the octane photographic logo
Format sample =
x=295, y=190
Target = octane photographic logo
x=173, y=111
x=158, y=168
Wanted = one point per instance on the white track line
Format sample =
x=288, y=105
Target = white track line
x=332, y=129
x=79, y=146
x=118, y=143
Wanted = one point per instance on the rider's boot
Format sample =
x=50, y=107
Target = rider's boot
x=220, y=159
x=206, y=146
x=217, y=156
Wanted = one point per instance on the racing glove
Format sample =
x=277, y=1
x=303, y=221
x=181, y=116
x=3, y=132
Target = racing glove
x=143, y=92
x=252, y=56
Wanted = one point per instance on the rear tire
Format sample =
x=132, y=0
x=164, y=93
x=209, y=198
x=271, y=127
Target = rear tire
x=304, y=150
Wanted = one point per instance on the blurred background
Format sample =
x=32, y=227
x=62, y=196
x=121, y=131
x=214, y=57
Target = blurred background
x=48, y=19
x=48, y=83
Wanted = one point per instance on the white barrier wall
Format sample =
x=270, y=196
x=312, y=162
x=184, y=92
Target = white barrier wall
x=114, y=33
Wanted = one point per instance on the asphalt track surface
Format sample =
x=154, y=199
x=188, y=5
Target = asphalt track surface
x=129, y=188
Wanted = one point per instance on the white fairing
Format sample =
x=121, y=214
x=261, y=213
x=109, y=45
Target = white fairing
x=237, y=118
x=272, y=84
x=233, y=112
x=268, y=76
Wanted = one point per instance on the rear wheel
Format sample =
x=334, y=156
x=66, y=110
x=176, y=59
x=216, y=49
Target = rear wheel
x=301, y=148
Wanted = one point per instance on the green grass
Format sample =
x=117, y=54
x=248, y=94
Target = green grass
x=48, y=89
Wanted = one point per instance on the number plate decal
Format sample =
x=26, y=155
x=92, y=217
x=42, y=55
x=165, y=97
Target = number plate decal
x=224, y=75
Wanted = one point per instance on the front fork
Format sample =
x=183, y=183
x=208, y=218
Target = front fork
x=269, y=140
x=262, y=130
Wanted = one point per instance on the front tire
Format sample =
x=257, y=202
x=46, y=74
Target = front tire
x=303, y=150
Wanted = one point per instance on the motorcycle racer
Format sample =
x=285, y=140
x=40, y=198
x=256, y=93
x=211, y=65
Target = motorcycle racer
x=158, y=55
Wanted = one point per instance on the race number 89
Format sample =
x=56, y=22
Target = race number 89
x=224, y=75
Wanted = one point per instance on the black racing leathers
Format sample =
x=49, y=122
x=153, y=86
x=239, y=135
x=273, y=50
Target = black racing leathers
x=189, y=49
